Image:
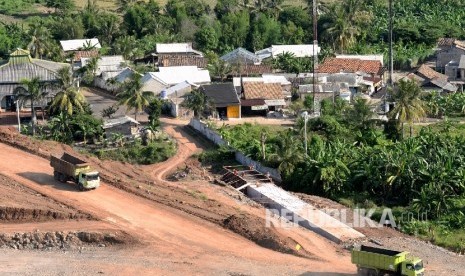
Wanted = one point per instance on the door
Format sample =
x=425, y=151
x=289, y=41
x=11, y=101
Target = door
x=233, y=111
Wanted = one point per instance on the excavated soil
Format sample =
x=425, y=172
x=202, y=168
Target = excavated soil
x=136, y=180
x=19, y=204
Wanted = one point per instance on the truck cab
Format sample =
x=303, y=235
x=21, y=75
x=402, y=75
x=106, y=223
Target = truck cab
x=88, y=180
x=413, y=267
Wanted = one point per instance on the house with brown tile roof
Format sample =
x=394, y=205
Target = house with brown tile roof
x=431, y=80
x=259, y=97
x=167, y=60
x=352, y=65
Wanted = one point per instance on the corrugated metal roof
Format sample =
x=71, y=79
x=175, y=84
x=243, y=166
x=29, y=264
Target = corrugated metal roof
x=180, y=86
x=76, y=44
x=118, y=121
x=106, y=63
x=299, y=50
x=166, y=48
x=241, y=55
x=177, y=74
x=21, y=66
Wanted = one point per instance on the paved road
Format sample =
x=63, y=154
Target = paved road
x=99, y=101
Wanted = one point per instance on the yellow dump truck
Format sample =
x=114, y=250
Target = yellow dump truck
x=372, y=261
x=68, y=167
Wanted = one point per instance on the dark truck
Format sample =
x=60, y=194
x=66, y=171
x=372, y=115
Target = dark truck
x=372, y=261
x=68, y=167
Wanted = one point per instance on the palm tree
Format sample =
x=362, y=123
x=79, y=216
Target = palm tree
x=31, y=90
x=220, y=69
x=59, y=127
x=408, y=105
x=40, y=39
x=288, y=154
x=132, y=96
x=68, y=101
x=198, y=102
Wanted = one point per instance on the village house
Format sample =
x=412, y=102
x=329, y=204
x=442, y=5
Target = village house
x=169, y=76
x=245, y=63
x=225, y=99
x=21, y=66
x=300, y=50
x=430, y=80
x=77, y=49
x=106, y=64
x=124, y=125
x=112, y=80
x=370, y=69
x=450, y=50
x=174, y=97
x=257, y=98
x=286, y=85
x=175, y=54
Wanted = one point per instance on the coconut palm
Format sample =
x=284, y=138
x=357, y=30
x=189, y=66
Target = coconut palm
x=198, y=102
x=408, y=105
x=132, y=96
x=32, y=90
x=220, y=69
x=40, y=39
x=68, y=101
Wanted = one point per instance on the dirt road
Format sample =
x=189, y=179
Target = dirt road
x=196, y=246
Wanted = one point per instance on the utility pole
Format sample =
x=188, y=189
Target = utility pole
x=391, y=60
x=315, y=50
x=305, y=115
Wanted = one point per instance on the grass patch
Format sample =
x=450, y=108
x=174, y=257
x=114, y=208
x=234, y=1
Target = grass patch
x=197, y=194
x=136, y=153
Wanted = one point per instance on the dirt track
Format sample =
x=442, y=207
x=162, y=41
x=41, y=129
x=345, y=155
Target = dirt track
x=174, y=240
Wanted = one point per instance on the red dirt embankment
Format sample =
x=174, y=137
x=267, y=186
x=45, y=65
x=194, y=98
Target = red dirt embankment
x=132, y=179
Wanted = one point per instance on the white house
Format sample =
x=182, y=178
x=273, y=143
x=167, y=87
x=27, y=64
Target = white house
x=176, y=48
x=301, y=50
x=177, y=74
x=107, y=64
x=77, y=44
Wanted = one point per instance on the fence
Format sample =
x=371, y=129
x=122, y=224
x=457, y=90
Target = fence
x=217, y=139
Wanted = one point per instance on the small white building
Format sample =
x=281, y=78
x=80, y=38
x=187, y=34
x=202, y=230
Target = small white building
x=300, y=50
x=78, y=44
x=107, y=64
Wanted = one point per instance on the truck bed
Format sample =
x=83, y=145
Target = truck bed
x=68, y=164
x=372, y=257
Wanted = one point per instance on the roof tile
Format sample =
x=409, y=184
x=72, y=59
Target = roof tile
x=261, y=90
x=349, y=65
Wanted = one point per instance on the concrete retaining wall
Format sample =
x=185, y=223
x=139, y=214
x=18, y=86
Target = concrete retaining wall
x=217, y=139
x=294, y=209
x=207, y=132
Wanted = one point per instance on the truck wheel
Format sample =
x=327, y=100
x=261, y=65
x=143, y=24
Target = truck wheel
x=56, y=175
x=62, y=177
x=80, y=187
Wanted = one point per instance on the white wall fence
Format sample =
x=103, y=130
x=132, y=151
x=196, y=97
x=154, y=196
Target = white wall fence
x=217, y=139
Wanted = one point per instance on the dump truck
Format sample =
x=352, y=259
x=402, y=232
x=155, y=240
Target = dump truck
x=68, y=167
x=372, y=261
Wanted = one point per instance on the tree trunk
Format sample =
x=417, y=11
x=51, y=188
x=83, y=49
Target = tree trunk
x=135, y=114
x=411, y=130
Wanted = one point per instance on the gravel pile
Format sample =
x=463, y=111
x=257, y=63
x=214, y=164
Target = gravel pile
x=56, y=240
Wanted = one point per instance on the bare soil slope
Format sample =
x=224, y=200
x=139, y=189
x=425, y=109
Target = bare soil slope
x=173, y=220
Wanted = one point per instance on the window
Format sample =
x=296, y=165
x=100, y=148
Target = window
x=409, y=266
